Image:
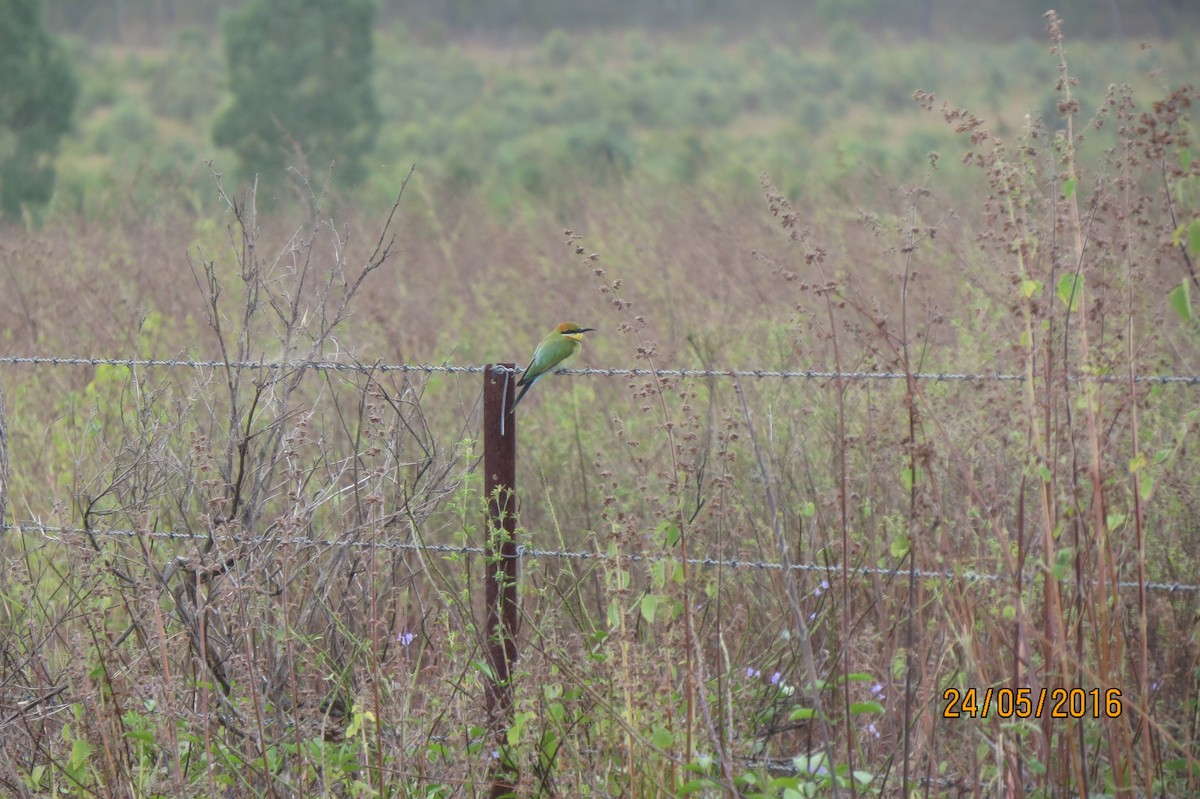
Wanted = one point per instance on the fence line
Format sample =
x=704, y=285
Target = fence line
x=368, y=368
x=968, y=575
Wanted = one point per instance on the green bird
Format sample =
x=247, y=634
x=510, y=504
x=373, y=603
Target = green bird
x=556, y=351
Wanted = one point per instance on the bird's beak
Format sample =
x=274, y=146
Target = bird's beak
x=587, y=330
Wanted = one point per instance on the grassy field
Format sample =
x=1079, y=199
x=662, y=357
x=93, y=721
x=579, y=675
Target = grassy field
x=230, y=581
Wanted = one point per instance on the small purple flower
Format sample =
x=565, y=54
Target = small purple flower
x=775, y=678
x=405, y=639
x=495, y=754
x=752, y=672
x=871, y=729
x=877, y=689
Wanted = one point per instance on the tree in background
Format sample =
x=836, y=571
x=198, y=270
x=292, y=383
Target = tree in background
x=37, y=96
x=300, y=72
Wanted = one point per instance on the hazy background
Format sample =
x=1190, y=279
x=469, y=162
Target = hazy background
x=517, y=102
x=990, y=20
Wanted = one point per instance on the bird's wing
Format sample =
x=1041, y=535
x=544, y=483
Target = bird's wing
x=529, y=375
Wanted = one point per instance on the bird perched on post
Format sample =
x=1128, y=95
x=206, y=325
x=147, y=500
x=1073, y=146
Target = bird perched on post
x=556, y=351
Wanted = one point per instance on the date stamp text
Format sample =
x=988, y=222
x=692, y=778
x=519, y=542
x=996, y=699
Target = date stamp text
x=1025, y=703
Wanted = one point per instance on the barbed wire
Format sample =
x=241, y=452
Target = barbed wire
x=523, y=552
x=368, y=368
x=187, y=363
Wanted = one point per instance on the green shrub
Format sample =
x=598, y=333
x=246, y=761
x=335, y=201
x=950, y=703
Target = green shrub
x=185, y=84
x=300, y=73
x=129, y=126
x=556, y=48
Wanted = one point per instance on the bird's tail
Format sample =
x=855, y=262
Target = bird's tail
x=520, y=396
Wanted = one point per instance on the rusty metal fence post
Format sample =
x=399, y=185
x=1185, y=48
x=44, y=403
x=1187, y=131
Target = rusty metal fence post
x=501, y=561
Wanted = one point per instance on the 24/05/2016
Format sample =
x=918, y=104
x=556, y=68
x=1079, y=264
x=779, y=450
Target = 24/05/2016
x=1023, y=703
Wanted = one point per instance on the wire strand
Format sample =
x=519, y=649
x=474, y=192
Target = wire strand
x=368, y=368
x=966, y=575
x=334, y=366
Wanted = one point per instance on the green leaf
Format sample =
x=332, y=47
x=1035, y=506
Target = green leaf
x=1030, y=287
x=1064, y=560
x=1181, y=300
x=858, y=708
x=354, y=726
x=811, y=764
x=649, y=605
x=1181, y=765
x=145, y=736
x=802, y=713
x=1194, y=236
x=695, y=786
x=1070, y=287
x=614, y=614
x=485, y=668
x=662, y=738
x=513, y=736
x=658, y=573
x=548, y=745
x=1069, y=187
x=1146, y=487
x=81, y=750
x=857, y=676
x=908, y=478
x=899, y=546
